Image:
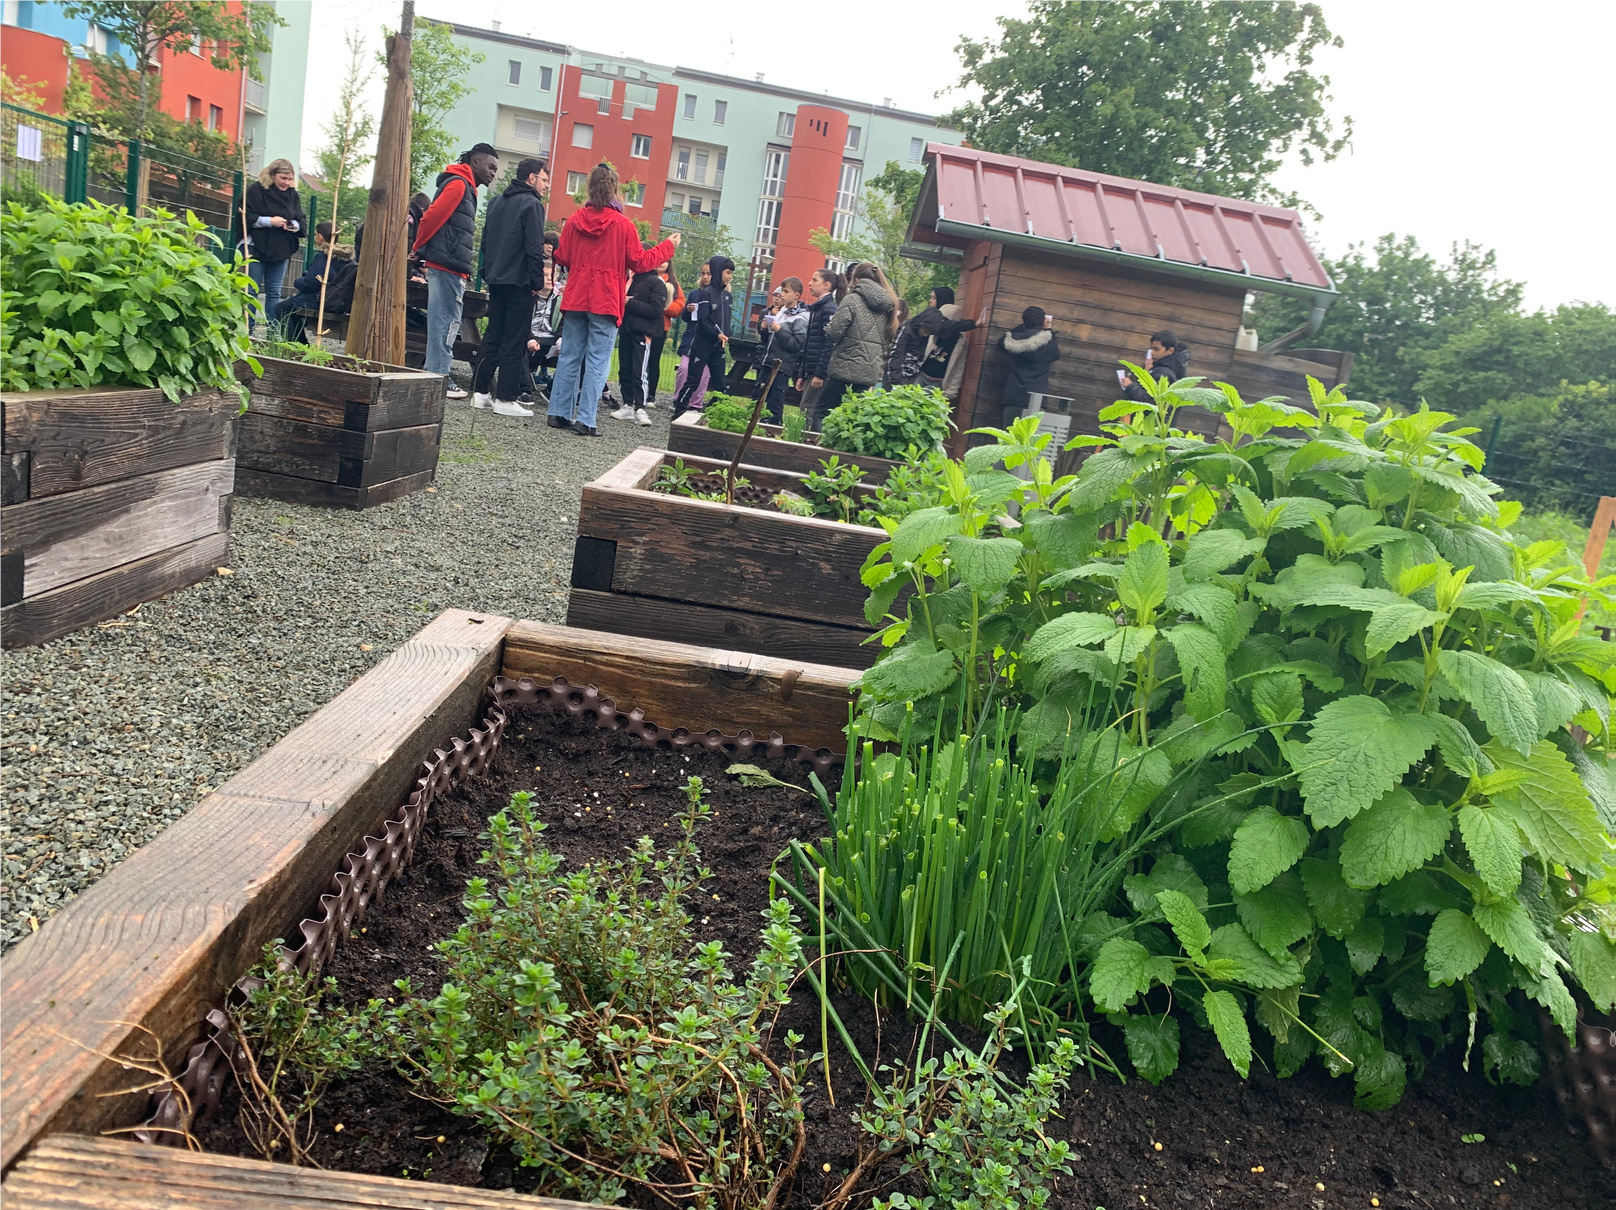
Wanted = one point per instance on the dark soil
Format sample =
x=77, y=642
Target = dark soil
x=1224, y=1142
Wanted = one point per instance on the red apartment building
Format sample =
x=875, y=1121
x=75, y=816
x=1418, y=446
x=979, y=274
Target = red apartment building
x=604, y=116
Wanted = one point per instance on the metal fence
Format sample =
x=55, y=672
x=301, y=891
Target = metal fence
x=1564, y=472
x=41, y=156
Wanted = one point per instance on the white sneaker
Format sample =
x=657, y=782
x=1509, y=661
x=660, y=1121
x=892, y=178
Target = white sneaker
x=482, y=399
x=509, y=407
x=623, y=413
x=455, y=392
x=641, y=417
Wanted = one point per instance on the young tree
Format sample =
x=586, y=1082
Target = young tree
x=1205, y=96
x=233, y=39
x=346, y=153
x=439, y=71
x=885, y=210
x=704, y=238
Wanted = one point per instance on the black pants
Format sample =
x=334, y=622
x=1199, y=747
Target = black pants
x=702, y=355
x=631, y=367
x=653, y=375
x=829, y=396
x=510, y=323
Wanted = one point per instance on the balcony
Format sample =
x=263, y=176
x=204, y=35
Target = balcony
x=252, y=95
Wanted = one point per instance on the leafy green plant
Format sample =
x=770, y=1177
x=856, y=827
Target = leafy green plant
x=793, y=424
x=1377, y=682
x=728, y=413
x=693, y=482
x=295, y=350
x=95, y=296
x=580, y=1021
x=886, y=423
x=915, y=483
x=831, y=489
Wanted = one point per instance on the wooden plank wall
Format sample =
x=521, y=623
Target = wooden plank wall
x=668, y=567
x=339, y=436
x=1103, y=316
x=112, y=497
x=687, y=435
x=169, y=930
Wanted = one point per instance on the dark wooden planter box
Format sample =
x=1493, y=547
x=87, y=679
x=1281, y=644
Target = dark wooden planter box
x=164, y=936
x=351, y=435
x=112, y=497
x=669, y=567
x=690, y=435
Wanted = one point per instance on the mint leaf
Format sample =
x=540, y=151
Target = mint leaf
x=1593, y=961
x=909, y=674
x=1189, y=926
x=1359, y=750
x=1366, y=943
x=1494, y=844
x=1214, y=606
x=1277, y=697
x=1276, y=916
x=1391, y=624
x=1203, y=664
x=1214, y=550
x=1336, y=906
x=1152, y=1046
x=1458, y=747
x=1551, y=806
x=1510, y=927
x=1397, y=835
x=920, y=531
x=986, y=564
x=1379, y=1080
x=1143, y=583
x=1123, y=971
x=1497, y=694
x=1265, y=846
x=1510, y=1060
x=1244, y=961
x=1455, y=947
x=1230, y=1029
x=1067, y=631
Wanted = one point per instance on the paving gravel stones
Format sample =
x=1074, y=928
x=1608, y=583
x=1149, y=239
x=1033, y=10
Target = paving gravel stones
x=112, y=733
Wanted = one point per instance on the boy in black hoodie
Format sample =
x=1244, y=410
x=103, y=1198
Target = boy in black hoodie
x=642, y=317
x=714, y=309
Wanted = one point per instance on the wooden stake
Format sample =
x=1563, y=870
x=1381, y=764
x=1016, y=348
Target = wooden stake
x=331, y=246
x=1598, y=535
x=751, y=426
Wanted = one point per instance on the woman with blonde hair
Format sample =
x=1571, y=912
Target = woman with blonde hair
x=275, y=225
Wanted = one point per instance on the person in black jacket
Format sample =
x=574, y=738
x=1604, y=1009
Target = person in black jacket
x=642, y=321
x=1166, y=359
x=713, y=314
x=825, y=290
x=275, y=225
x=444, y=239
x=1032, y=351
x=785, y=337
x=513, y=269
x=330, y=263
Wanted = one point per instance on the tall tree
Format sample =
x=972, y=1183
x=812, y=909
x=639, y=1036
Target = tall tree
x=348, y=136
x=704, y=238
x=1207, y=96
x=440, y=69
x=884, y=212
x=232, y=38
x=1398, y=306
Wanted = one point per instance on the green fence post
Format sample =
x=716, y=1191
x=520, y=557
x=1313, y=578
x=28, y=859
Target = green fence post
x=76, y=185
x=314, y=221
x=1492, y=442
x=131, y=179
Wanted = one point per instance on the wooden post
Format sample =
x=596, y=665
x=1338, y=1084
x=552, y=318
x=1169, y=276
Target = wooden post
x=1598, y=535
x=331, y=245
x=376, y=323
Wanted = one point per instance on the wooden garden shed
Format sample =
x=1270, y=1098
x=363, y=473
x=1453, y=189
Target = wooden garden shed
x=1114, y=260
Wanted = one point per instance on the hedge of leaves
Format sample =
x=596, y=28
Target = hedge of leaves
x=94, y=296
x=1365, y=729
x=888, y=423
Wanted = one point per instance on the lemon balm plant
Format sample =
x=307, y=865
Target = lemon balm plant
x=1390, y=700
x=95, y=296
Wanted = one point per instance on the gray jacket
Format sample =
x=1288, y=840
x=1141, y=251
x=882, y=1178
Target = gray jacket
x=858, y=334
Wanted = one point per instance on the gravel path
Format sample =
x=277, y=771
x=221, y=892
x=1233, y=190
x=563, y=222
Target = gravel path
x=113, y=732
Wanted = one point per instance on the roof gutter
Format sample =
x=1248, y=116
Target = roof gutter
x=1133, y=260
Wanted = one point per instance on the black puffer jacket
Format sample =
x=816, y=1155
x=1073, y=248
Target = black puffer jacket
x=513, y=239
x=452, y=244
x=642, y=309
x=1174, y=366
x=816, y=352
x=274, y=244
x=1032, y=351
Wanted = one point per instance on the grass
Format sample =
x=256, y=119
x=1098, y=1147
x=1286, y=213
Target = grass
x=469, y=451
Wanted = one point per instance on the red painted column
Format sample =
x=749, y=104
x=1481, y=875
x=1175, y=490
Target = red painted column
x=817, y=143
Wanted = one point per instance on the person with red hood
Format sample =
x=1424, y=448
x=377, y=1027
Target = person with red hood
x=443, y=240
x=599, y=248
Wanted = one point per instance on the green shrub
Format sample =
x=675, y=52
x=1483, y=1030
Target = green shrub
x=94, y=296
x=1333, y=642
x=886, y=424
x=728, y=413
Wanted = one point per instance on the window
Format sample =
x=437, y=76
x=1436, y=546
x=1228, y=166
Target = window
x=577, y=182
x=916, y=148
x=604, y=105
x=193, y=109
x=690, y=105
x=638, y=96
x=720, y=109
x=676, y=201
x=215, y=117
x=633, y=193
x=196, y=46
x=545, y=75
x=681, y=168
x=594, y=86
x=701, y=167
x=786, y=126
x=853, y=133
x=96, y=40
x=775, y=165
x=695, y=203
x=582, y=136
x=718, y=177
x=530, y=131
x=513, y=72
x=640, y=147
x=847, y=190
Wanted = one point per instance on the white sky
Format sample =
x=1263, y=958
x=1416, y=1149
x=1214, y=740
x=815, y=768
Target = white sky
x=1466, y=113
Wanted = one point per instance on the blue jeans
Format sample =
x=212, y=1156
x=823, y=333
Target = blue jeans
x=586, y=359
x=444, y=294
x=267, y=277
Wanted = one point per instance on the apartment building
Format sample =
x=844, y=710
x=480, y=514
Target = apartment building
x=772, y=163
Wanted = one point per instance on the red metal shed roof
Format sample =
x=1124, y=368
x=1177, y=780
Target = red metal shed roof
x=971, y=194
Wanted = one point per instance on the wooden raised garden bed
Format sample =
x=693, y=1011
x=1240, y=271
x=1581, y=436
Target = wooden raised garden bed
x=669, y=567
x=162, y=939
x=112, y=496
x=690, y=435
x=351, y=434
